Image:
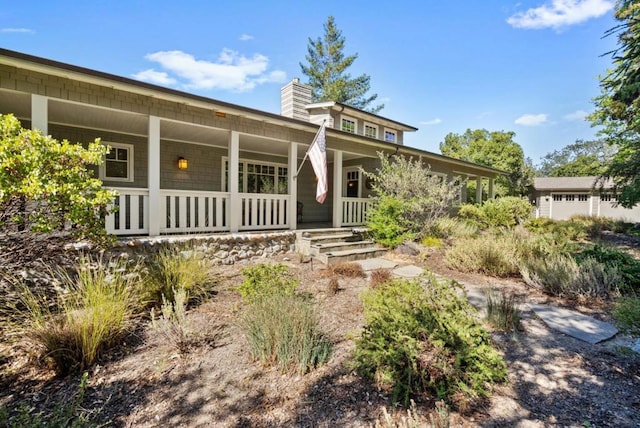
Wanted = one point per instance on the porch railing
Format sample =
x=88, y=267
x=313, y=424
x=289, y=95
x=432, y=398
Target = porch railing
x=188, y=211
x=354, y=211
x=264, y=211
x=131, y=217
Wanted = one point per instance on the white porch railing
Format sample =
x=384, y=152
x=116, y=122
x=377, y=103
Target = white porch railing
x=264, y=211
x=189, y=211
x=131, y=217
x=354, y=211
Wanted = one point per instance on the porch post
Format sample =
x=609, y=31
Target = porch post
x=293, y=186
x=491, y=189
x=479, y=190
x=40, y=113
x=234, y=196
x=153, y=177
x=337, y=188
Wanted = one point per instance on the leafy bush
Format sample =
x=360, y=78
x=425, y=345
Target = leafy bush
x=627, y=314
x=408, y=199
x=173, y=269
x=283, y=329
x=431, y=241
x=491, y=254
x=423, y=337
x=562, y=230
x=472, y=212
x=502, y=311
x=266, y=280
x=453, y=227
x=502, y=212
x=614, y=259
x=96, y=310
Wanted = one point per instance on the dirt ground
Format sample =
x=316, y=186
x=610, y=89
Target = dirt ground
x=554, y=380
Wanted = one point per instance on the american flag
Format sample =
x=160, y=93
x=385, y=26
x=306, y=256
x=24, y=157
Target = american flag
x=318, y=156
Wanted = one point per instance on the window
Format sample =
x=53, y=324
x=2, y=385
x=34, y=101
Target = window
x=608, y=197
x=389, y=136
x=583, y=198
x=348, y=125
x=370, y=131
x=557, y=198
x=570, y=198
x=259, y=177
x=118, y=163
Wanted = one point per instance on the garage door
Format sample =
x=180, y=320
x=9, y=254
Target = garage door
x=565, y=205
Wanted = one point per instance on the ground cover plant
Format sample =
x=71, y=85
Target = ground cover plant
x=419, y=337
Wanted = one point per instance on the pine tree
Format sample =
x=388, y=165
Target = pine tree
x=326, y=70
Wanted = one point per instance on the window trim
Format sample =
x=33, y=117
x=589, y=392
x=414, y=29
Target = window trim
x=370, y=125
x=350, y=119
x=245, y=173
x=391, y=131
x=102, y=170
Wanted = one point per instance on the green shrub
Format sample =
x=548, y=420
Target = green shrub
x=266, y=280
x=491, y=254
x=562, y=230
x=421, y=337
x=627, y=315
x=506, y=212
x=614, y=259
x=387, y=223
x=175, y=269
x=431, y=241
x=502, y=311
x=283, y=330
x=453, y=227
x=472, y=212
x=96, y=309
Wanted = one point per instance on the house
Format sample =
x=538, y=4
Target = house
x=184, y=163
x=560, y=198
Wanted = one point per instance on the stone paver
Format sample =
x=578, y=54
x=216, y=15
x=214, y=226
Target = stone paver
x=376, y=263
x=409, y=271
x=574, y=323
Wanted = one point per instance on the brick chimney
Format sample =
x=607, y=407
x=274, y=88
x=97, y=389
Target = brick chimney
x=294, y=96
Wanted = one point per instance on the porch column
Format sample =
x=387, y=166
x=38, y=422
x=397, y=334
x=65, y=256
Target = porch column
x=153, y=176
x=293, y=186
x=337, y=188
x=491, y=189
x=40, y=113
x=479, y=190
x=235, y=211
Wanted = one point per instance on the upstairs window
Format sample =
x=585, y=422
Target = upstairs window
x=348, y=125
x=390, y=136
x=370, y=131
x=118, y=163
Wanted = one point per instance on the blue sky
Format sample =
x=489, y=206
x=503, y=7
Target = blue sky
x=530, y=67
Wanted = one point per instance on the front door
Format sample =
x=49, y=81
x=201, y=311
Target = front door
x=352, y=182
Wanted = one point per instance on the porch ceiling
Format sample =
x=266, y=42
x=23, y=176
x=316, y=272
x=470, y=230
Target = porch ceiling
x=85, y=116
x=17, y=103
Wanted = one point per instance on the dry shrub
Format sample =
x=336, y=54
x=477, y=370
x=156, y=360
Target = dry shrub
x=379, y=276
x=495, y=255
x=333, y=286
x=348, y=269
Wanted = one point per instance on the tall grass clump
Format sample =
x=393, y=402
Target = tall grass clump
x=93, y=311
x=454, y=227
x=502, y=311
x=627, y=315
x=282, y=328
x=421, y=337
x=172, y=269
x=491, y=254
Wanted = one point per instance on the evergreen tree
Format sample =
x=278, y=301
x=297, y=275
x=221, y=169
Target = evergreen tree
x=326, y=70
x=618, y=106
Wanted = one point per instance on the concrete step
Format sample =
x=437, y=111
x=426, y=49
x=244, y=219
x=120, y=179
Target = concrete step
x=350, y=255
x=310, y=233
x=304, y=244
x=330, y=247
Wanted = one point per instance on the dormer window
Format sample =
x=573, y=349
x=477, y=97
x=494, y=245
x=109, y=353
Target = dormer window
x=390, y=136
x=348, y=125
x=370, y=130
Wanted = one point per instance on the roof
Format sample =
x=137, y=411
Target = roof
x=569, y=183
x=48, y=66
x=361, y=114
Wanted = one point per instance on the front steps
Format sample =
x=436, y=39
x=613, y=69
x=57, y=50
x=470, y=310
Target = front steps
x=337, y=245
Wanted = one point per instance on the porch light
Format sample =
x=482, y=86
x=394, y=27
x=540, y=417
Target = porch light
x=182, y=163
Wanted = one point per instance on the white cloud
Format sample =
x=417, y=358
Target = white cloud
x=231, y=71
x=435, y=121
x=531, y=119
x=560, y=13
x=157, y=77
x=245, y=37
x=576, y=115
x=17, y=30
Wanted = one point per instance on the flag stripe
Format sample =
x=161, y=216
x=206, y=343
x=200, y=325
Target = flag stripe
x=318, y=157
